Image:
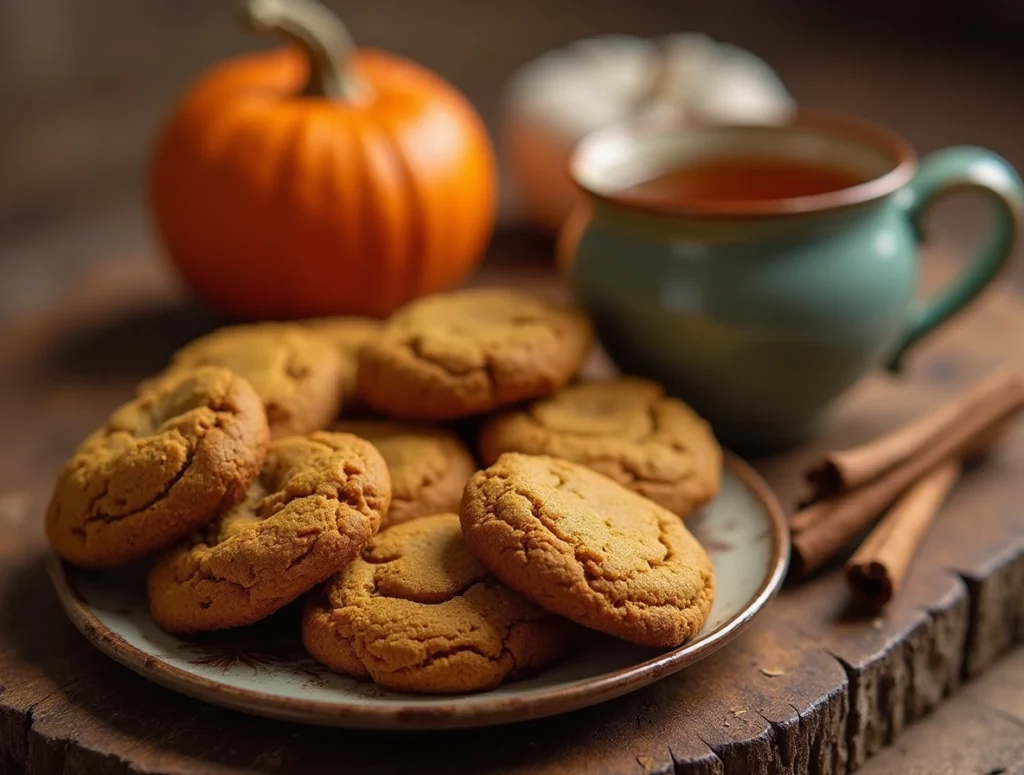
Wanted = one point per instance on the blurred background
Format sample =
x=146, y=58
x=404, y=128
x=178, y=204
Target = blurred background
x=84, y=87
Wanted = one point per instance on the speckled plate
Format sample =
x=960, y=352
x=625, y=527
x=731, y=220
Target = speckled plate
x=263, y=670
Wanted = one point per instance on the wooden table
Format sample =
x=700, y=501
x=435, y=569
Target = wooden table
x=836, y=687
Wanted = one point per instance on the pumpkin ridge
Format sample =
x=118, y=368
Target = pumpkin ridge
x=276, y=145
x=407, y=279
x=284, y=235
x=377, y=237
x=339, y=188
x=314, y=221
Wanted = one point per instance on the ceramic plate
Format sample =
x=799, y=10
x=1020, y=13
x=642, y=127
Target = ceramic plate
x=263, y=670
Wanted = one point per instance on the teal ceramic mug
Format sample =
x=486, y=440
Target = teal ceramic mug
x=761, y=313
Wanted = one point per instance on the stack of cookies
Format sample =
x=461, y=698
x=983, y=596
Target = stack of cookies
x=274, y=461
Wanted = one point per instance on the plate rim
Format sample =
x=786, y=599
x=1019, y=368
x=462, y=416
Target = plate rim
x=441, y=715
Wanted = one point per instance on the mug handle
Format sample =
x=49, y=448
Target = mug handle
x=569, y=236
x=958, y=169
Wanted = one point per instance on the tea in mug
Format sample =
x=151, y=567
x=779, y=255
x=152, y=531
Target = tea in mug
x=735, y=180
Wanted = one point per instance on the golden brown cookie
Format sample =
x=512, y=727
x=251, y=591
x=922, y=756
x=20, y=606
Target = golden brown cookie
x=457, y=354
x=429, y=466
x=417, y=613
x=348, y=334
x=628, y=430
x=165, y=463
x=583, y=546
x=312, y=509
x=297, y=373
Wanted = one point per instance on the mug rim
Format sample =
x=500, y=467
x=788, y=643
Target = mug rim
x=861, y=131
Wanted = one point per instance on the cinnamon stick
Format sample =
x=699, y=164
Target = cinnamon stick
x=823, y=528
x=845, y=470
x=810, y=515
x=877, y=568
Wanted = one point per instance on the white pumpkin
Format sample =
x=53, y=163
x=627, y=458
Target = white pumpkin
x=553, y=101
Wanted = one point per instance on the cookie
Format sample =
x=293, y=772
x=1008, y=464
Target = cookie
x=184, y=450
x=314, y=506
x=583, y=546
x=458, y=354
x=628, y=430
x=418, y=613
x=348, y=335
x=429, y=466
x=297, y=373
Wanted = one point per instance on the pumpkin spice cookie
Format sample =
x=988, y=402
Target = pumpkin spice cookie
x=458, y=354
x=185, y=449
x=628, y=430
x=583, y=546
x=297, y=373
x=418, y=613
x=348, y=334
x=311, y=510
x=429, y=466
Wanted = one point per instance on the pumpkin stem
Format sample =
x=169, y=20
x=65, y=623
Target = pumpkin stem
x=321, y=35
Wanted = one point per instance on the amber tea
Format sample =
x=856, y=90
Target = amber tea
x=732, y=180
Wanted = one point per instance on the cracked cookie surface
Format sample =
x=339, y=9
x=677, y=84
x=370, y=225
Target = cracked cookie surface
x=458, y=354
x=418, y=613
x=348, y=334
x=315, y=504
x=628, y=430
x=297, y=373
x=186, y=448
x=429, y=466
x=583, y=546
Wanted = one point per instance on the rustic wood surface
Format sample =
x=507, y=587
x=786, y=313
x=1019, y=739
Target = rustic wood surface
x=839, y=685
x=976, y=731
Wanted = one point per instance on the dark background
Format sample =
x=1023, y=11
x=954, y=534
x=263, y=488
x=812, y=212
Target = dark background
x=84, y=86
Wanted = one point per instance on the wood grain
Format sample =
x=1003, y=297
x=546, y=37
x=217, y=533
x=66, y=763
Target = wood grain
x=813, y=687
x=976, y=732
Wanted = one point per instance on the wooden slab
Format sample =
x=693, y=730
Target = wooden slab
x=812, y=688
x=979, y=731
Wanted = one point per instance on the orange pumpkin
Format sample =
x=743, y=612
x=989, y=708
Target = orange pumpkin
x=319, y=179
